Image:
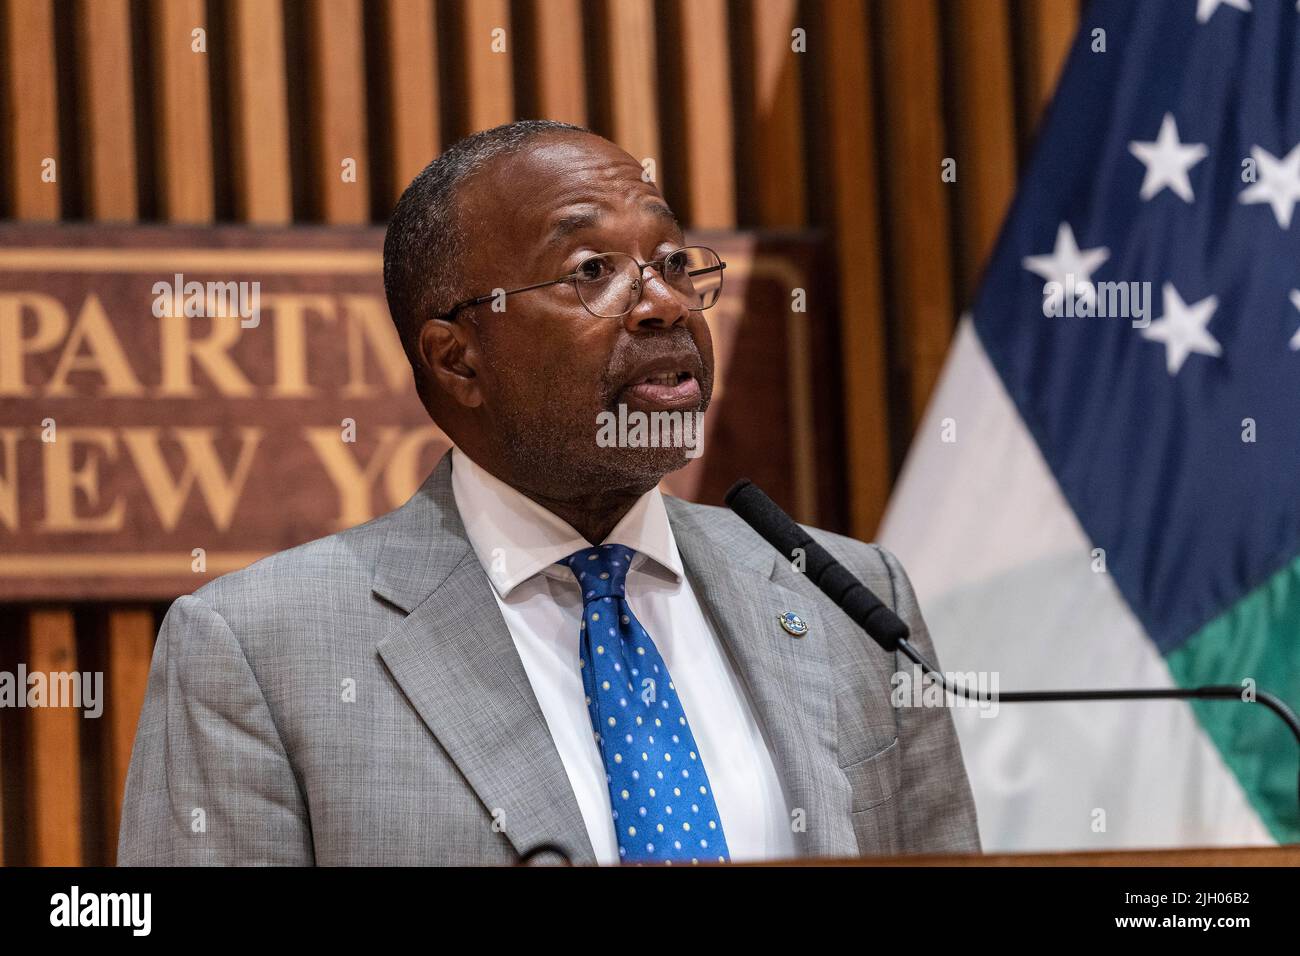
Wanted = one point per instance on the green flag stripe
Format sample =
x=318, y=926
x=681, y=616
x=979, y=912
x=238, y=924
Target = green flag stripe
x=1258, y=638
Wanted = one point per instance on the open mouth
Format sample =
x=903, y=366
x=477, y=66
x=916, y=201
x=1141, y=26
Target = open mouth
x=664, y=378
x=664, y=391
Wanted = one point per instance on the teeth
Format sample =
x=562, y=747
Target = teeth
x=665, y=378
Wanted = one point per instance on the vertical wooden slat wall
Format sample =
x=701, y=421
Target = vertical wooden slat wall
x=1047, y=30
x=630, y=82
x=854, y=219
x=710, y=200
x=183, y=114
x=411, y=72
x=919, y=263
x=54, y=747
x=561, y=75
x=107, y=111
x=774, y=122
x=833, y=115
x=486, y=44
x=259, y=126
x=31, y=100
x=51, y=808
x=983, y=131
x=130, y=648
x=339, y=150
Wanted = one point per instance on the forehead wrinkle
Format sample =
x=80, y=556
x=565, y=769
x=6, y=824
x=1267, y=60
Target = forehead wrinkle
x=569, y=223
x=589, y=215
x=661, y=210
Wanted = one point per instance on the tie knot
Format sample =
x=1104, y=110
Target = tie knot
x=601, y=571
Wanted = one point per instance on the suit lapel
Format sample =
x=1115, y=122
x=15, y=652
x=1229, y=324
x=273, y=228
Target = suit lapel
x=455, y=660
x=788, y=678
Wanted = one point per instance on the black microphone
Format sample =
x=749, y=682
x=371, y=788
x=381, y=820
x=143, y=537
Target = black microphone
x=783, y=533
x=888, y=630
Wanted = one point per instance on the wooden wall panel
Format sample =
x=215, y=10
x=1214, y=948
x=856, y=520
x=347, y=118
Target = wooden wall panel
x=260, y=112
x=183, y=107
x=706, y=103
x=104, y=43
x=1048, y=29
x=130, y=651
x=54, y=746
x=488, y=44
x=775, y=124
x=561, y=68
x=411, y=71
x=849, y=126
x=777, y=116
x=51, y=744
x=983, y=140
x=338, y=96
x=920, y=257
x=31, y=108
x=630, y=55
x=104, y=50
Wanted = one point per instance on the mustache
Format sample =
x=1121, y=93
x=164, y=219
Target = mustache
x=633, y=352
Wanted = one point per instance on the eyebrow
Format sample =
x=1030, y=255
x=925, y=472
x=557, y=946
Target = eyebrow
x=590, y=216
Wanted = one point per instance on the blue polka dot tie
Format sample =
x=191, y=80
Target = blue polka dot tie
x=661, y=798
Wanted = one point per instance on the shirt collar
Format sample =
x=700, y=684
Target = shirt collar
x=515, y=538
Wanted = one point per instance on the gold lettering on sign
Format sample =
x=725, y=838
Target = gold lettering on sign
x=51, y=326
x=106, y=356
x=63, y=481
x=202, y=465
x=289, y=318
x=354, y=484
x=396, y=458
x=367, y=322
x=402, y=476
x=212, y=352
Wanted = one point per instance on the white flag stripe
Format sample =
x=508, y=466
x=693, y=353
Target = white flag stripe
x=1002, y=569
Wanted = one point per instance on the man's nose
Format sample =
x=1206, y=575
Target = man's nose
x=659, y=308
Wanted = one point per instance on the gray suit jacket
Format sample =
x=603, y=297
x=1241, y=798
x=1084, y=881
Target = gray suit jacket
x=359, y=700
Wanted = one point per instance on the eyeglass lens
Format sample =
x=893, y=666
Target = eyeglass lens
x=609, y=284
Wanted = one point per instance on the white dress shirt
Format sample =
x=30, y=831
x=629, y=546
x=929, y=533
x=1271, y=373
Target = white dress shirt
x=518, y=542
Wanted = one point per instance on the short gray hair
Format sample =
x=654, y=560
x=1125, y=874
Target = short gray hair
x=424, y=245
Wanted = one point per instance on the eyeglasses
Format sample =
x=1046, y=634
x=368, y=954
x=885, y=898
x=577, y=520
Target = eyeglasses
x=609, y=284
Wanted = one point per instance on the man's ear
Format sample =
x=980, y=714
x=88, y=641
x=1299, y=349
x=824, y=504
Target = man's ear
x=449, y=355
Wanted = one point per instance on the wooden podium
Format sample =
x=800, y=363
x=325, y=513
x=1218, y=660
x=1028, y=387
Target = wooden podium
x=1195, y=856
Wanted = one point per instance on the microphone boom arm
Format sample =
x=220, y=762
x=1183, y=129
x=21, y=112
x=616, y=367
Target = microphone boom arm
x=891, y=632
x=1208, y=692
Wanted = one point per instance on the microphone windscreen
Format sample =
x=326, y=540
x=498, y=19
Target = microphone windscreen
x=782, y=532
x=765, y=516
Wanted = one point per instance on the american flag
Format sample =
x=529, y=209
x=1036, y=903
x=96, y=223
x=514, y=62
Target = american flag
x=1170, y=158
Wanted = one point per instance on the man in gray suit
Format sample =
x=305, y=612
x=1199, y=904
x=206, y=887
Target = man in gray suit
x=422, y=689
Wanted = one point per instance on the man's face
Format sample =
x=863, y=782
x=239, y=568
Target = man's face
x=547, y=367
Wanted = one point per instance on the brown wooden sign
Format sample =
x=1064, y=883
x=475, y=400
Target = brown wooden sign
x=176, y=403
